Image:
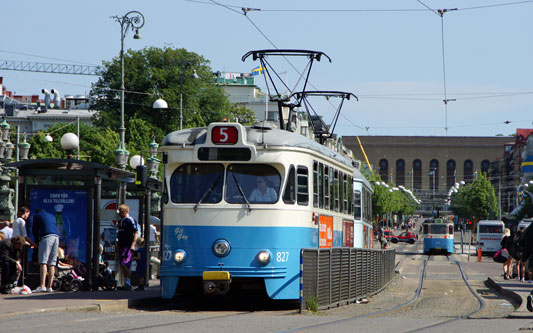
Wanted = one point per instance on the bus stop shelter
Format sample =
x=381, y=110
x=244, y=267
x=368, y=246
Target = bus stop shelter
x=74, y=191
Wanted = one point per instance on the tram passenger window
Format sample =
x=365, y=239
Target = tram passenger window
x=303, y=186
x=336, y=190
x=426, y=229
x=357, y=205
x=321, y=185
x=450, y=229
x=290, y=188
x=326, y=187
x=331, y=189
x=315, y=184
x=350, y=195
x=259, y=183
x=344, y=193
x=191, y=183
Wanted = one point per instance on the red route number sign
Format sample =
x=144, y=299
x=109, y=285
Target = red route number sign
x=224, y=135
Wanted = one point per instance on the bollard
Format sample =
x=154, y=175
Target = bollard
x=479, y=254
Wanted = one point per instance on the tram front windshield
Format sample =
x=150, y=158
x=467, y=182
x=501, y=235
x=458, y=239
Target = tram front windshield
x=438, y=229
x=258, y=183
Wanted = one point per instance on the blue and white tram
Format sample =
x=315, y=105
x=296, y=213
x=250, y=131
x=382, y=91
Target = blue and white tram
x=438, y=236
x=219, y=231
x=363, y=227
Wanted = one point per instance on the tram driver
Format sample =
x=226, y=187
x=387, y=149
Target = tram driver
x=263, y=193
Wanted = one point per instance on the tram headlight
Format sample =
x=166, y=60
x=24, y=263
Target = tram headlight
x=221, y=247
x=263, y=257
x=179, y=256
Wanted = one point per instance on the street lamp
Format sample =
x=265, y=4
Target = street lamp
x=186, y=64
x=69, y=142
x=133, y=20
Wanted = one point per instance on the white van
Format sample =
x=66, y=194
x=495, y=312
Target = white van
x=524, y=224
x=489, y=235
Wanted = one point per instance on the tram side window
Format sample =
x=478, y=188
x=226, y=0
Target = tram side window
x=258, y=183
x=350, y=195
x=321, y=185
x=326, y=187
x=450, y=229
x=336, y=190
x=191, y=183
x=357, y=205
x=315, y=183
x=344, y=193
x=331, y=189
x=303, y=187
x=290, y=188
x=368, y=205
x=426, y=229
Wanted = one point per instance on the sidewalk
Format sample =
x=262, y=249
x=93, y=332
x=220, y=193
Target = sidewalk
x=516, y=290
x=101, y=300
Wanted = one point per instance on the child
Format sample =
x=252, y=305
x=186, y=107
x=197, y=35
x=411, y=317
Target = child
x=140, y=256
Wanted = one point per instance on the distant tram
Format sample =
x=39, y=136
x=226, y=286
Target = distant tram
x=438, y=236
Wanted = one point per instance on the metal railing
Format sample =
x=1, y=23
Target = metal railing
x=338, y=276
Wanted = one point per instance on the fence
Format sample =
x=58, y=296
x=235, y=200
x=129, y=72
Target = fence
x=333, y=277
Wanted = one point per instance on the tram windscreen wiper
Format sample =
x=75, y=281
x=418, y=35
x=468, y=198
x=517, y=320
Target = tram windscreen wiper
x=206, y=194
x=242, y=192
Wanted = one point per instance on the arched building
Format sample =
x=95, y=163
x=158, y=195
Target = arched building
x=429, y=164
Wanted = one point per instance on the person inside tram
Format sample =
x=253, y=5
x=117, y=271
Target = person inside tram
x=263, y=193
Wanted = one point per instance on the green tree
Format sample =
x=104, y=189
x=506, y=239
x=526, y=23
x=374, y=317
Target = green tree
x=152, y=73
x=96, y=145
x=477, y=199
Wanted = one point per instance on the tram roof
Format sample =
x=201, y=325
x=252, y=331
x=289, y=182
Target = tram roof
x=259, y=136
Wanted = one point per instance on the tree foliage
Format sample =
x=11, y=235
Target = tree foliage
x=154, y=73
x=96, y=145
x=475, y=200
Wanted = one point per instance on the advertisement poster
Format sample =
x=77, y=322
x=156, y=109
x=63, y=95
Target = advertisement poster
x=69, y=206
x=347, y=233
x=326, y=231
x=108, y=230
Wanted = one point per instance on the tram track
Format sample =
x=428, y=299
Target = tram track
x=416, y=296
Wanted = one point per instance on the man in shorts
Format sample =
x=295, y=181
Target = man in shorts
x=127, y=236
x=47, y=237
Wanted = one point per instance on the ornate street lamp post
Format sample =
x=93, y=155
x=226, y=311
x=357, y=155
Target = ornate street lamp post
x=133, y=20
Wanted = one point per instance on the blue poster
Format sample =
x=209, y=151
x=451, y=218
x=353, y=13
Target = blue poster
x=69, y=206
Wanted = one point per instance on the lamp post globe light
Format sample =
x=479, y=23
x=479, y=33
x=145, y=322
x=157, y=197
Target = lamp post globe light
x=69, y=142
x=133, y=20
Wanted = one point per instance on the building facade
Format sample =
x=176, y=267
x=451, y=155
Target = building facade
x=431, y=165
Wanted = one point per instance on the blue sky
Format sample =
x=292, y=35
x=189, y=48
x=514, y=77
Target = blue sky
x=388, y=53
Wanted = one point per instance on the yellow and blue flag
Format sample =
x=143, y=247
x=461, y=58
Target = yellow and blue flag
x=431, y=173
x=410, y=172
x=258, y=70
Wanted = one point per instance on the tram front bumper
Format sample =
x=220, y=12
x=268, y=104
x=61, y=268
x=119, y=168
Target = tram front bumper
x=216, y=282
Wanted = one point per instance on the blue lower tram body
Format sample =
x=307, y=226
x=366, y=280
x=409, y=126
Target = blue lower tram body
x=438, y=244
x=280, y=276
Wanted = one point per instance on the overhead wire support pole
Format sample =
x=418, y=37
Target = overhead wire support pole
x=446, y=100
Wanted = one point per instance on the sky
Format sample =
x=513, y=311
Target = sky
x=399, y=57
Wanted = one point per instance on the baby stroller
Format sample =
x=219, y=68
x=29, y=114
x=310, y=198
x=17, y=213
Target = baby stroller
x=105, y=278
x=67, y=280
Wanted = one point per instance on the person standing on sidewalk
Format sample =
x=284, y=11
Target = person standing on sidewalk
x=127, y=236
x=47, y=237
x=19, y=226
